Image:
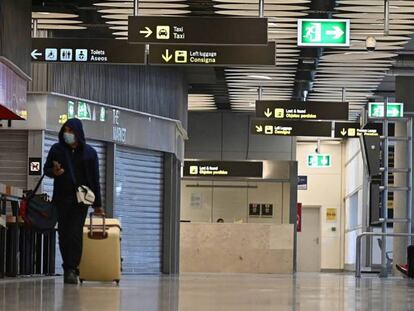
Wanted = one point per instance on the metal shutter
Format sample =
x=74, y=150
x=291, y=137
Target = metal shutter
x=100, y=147
x=139, y=181
x=13, y=158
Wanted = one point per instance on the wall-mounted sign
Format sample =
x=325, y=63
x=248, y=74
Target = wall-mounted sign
x=85, y=111
x=394, y=110
x=213, y=55
x=302, y=182
x=197, y=30
x=331, y=214
x=353, y=130
x=267, y=210
x=35, y=166
x=118, y=132
x=299, y=217
x=319, y=160
x=254, y=209
x=273, y=127
x=296, y=110
x=223, y=169
x=323, y=32
x=98, y=51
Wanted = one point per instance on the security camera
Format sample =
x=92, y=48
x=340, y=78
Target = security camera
x=370, y=43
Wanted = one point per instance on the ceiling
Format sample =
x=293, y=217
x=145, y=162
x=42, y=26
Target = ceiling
x=352, y=73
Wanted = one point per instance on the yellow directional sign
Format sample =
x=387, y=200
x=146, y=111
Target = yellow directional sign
x=167, y=56
x=215, y=30
x=298, y=110
x=213, y=55
x=354, y=130
x=272, y=127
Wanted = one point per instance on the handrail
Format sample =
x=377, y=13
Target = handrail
x=358, y=246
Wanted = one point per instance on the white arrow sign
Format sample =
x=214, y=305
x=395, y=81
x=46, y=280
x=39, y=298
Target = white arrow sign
x=337, y=32
x=35, y=54
x=268, y=113
x=147, y=32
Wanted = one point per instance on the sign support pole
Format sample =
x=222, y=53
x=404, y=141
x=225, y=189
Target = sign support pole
x=260, y=92
x=386, y=17
x=136, y=11
x=34, y=27
x=136, y=7
x=261, y=8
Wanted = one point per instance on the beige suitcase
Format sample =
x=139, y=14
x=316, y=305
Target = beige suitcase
x=101, y=255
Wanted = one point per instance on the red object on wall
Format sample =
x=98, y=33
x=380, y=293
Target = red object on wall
x=299, y=218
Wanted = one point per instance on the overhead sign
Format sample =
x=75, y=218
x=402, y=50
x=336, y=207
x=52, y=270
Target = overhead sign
x=213, y=55
x=394, y=110
x=354, y=130
x=197, y=30
x=297, y=110
x=319, y=160
x=223, y=169
x=270, y=127
x=35, y=166
x=323, y=32
x=99, y=51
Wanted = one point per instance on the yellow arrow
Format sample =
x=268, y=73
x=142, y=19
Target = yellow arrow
x=343, y=132
x=167, y=56
x=268, y=113
x=147, y=32
x=259, y=128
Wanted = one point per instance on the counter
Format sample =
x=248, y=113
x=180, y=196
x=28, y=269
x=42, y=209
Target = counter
x=236, y=248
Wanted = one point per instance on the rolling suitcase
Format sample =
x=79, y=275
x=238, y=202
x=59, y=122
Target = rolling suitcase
x=101, y=255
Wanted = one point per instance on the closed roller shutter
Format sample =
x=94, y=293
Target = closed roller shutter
x=100, y=147
x=13, y=158
x=138, y=204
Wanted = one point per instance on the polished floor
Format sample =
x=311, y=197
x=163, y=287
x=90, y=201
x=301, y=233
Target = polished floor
x=223, y=292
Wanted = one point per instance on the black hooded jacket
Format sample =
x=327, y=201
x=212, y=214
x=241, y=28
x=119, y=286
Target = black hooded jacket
x=64, y=189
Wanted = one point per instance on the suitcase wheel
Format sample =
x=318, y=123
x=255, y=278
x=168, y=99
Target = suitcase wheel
x=81, y=281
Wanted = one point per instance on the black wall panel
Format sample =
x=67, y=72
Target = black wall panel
x=155, y=90
x=15, y=37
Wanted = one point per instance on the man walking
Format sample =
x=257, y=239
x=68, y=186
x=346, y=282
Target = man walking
x=72, y=163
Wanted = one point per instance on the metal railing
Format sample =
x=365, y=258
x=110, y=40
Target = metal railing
x=358, y=246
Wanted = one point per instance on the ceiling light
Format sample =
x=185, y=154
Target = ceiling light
x=259, y=77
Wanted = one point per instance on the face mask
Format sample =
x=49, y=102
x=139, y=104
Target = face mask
x=69, y=138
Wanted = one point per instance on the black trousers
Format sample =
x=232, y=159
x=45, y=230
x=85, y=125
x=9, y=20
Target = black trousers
x=71, y=218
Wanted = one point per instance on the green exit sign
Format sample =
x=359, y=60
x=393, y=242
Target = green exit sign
x=323, y=32
x=319, y=160
x=394, y=110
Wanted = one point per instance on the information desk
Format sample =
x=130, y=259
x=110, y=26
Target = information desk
x=236, y=248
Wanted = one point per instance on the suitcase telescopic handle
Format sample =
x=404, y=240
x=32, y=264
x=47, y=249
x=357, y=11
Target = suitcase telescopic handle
x=97, y=235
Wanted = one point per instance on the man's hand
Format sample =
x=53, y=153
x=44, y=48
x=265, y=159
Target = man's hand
x=57, y=169
x=99, y=210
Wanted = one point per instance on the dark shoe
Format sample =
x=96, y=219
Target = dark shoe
x=70, y=277
x=403, y=269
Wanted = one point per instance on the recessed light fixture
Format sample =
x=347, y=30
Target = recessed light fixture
x=259, y=77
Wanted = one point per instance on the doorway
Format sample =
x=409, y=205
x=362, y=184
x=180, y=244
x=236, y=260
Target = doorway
x=309, y=240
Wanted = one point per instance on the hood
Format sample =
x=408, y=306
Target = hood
x=77, y=128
